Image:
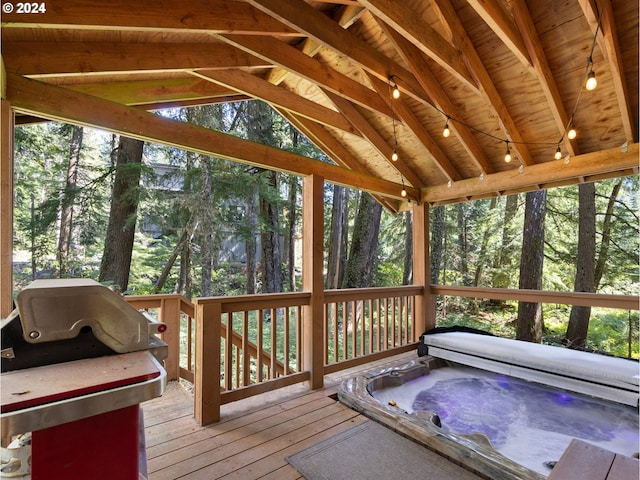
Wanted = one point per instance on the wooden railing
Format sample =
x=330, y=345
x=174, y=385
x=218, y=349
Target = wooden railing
x=361, y=325
x=232, y=348
x=179, y=315
x=261, y=344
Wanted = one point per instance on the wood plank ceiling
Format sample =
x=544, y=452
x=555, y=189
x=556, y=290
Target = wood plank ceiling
x=502, y=74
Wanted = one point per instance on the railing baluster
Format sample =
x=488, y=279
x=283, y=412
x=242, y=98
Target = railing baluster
x=345, y=322
x=227, y=352
x=299, y=346
x=189, y=342
x=274, y=343
x=246, y=358
x=259, y=359
x=325, y=332
x=285, y=346
x=336, y=348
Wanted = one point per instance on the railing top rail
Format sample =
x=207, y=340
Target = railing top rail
x=240, y=303
x=155, y=301
x=625, y=302
x=346, y=294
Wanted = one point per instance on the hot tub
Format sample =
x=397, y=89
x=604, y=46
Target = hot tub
x=508, y=419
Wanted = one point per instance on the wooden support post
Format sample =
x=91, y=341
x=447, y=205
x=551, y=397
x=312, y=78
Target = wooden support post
x=313, y=278
x=6, y=208
x=425, y=313
x=206, y=408
x=170, y=314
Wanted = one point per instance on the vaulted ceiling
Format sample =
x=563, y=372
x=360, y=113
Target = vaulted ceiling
x=503, y=74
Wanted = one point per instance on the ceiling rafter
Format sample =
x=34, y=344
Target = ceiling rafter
x=37, y=59
x=61, y=104
x=414, y=58
x=346, y=17
x=261, y=89
x=214, y=16
x=483, y=79
x=151, y=93
x=413, y=123
x=607, y=39
x=291, y=59
x=541, y=65
x=403, y=19
x=310, y=22
x=373, y=136
x=499, y=20
x=322, y=139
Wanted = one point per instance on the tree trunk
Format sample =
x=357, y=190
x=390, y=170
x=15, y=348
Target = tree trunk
x=462, y=244
x=437, y=242
x=250, y=242
x=407, y=271
x=66, y=215
x=166, y=270
x=482, y=256
x=337, y=237
x=118, y=248
x=206, y=227
x=578, y=327
x=270, y=239
x=530, y=322
x=504, y=260
x=364, y=244
x=607, y=224
x=289, y=244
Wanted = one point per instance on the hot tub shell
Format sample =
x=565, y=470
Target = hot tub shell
x=610, y=379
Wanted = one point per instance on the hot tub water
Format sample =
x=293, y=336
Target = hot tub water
x=531, y=424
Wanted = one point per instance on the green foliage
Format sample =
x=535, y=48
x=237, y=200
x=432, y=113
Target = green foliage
x=481, y=244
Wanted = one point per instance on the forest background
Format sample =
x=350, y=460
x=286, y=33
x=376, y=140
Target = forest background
x=146, y=218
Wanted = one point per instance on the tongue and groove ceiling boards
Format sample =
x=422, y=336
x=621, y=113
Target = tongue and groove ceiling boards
x=501, y=74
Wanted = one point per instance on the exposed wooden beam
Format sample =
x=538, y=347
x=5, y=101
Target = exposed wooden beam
x=290, y=58
x=542, y=175
x=374, y=137
x=439, y=157
x=541, y=65
x=257, y=88
x=6, y=207
x=415, y=59
x=36, y=59
x=403, y=19
x=345, y=17
x=322, y=29
x=483, y=80
x=60, y=104
x=154, y=92
x=214, y=16
x=321, y=138
x=608, y=41
x=499, y=20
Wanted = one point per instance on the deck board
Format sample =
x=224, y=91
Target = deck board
x=254, y=436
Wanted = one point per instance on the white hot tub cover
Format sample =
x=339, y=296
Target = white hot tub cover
x=538, y=362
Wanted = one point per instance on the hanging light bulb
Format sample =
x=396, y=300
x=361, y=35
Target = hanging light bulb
x=394, y=155
x=571, y=134
x=591, y=80
x=446, y=132
x=403, y=192
x=507, y=155
x=558, y=154
x=395, y=91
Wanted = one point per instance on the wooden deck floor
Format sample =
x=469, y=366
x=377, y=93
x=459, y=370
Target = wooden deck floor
x=253, y=437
